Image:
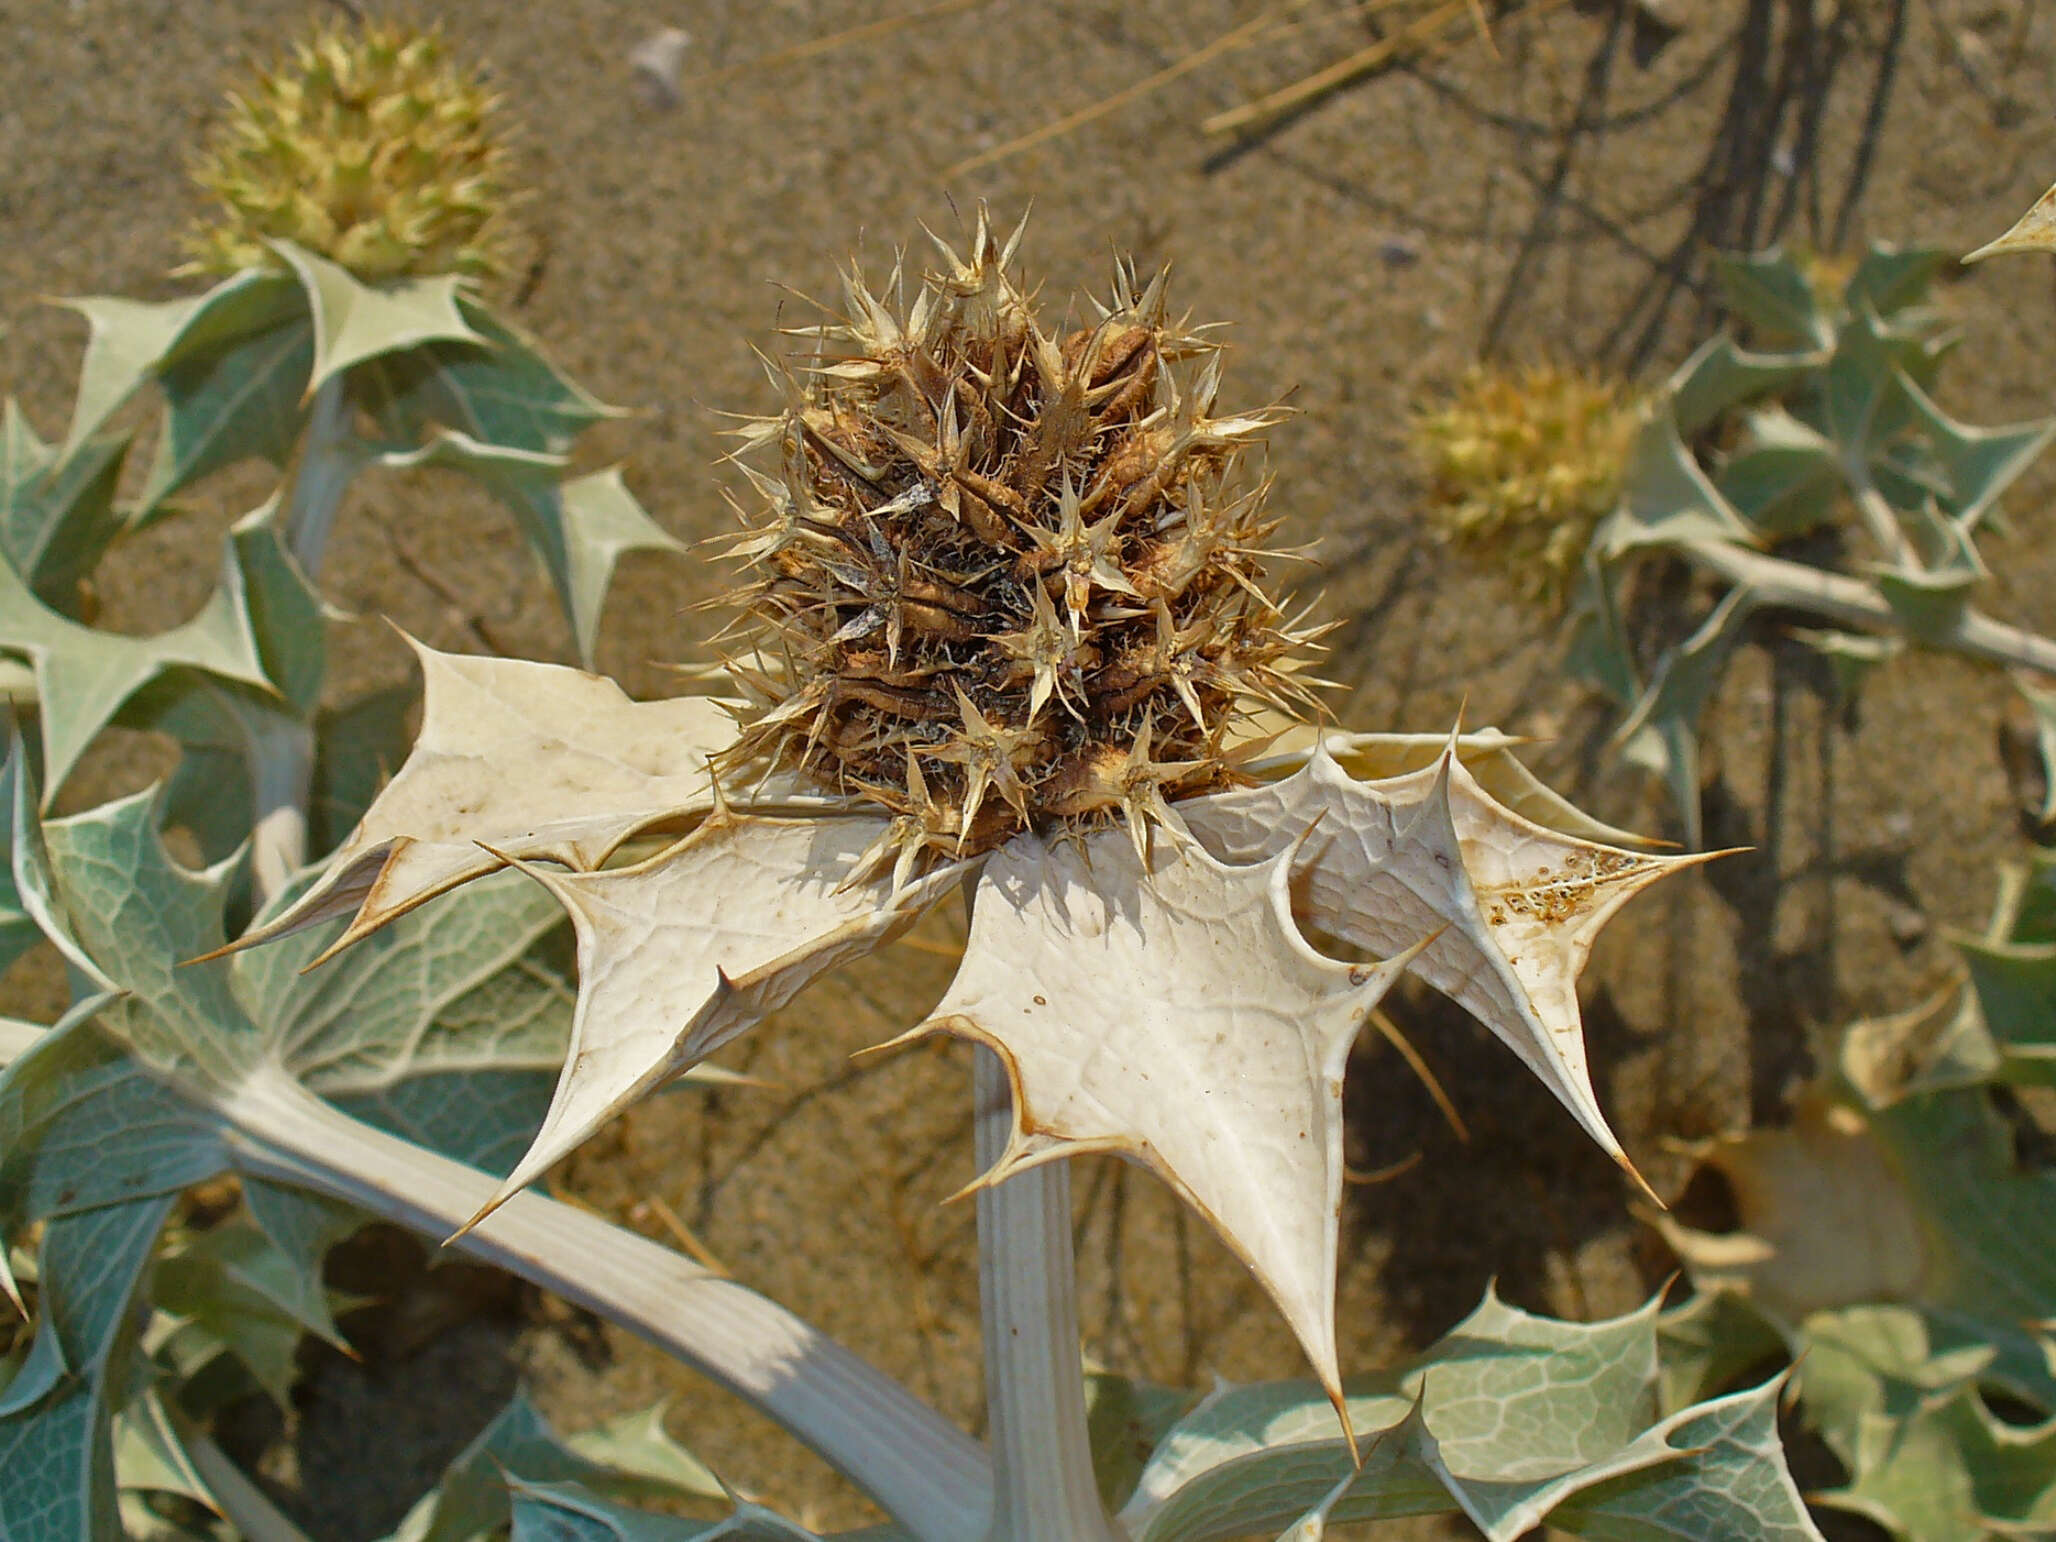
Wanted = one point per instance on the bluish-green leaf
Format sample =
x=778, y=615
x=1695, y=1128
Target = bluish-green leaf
x=505, y=394
x=1666, y=498
x=1722, y=374
x=250, y=1294
x=1890, y=278
x=56, y=1447
x=580, y=528
x=1784, y=479
x=355, y=321
x=56, y=515
x=131, y=340
x=1770, y=291
x=84, y=676
x=1729, y=1480
x=245, y=399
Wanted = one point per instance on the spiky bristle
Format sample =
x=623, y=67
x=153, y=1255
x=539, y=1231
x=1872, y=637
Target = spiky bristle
x=1002, y=577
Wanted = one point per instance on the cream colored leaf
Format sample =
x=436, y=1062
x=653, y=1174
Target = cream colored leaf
x=536, y=761
x=680, y=954
x=1515, y=906
x=1487, y=753
x=1826, y=1219
x=2034, y=231
x=1179, y=1019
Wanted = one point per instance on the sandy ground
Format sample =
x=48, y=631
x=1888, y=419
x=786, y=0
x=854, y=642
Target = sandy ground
x=1364, y=252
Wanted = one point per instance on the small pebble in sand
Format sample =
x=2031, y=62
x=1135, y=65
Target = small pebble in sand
x=657, y=60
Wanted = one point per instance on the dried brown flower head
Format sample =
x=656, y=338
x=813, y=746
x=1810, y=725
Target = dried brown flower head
x=1005, y=578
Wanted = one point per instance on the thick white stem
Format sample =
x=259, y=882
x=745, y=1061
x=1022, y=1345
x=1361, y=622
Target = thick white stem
x=1852, y=602
x=281, y=775
x=1044, y=1489
x=929, y=1476
x=1878, y=516
x=243, y=1504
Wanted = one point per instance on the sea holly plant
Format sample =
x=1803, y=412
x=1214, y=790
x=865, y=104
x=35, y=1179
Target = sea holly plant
x=1009, y=634
x=360, y=215
x=1806, y=469
x=1896, y=1243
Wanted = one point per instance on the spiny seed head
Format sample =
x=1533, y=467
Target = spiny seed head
x=1004, y=577
x=367, y=146
x=1522, y=465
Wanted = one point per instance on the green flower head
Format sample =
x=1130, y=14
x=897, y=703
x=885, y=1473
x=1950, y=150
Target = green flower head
x=368, y=146
x=1522, y=464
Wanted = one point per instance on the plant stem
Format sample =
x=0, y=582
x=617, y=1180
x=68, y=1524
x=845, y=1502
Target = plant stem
x=1878, y=517
x=281, y=776
x=929, y=1476
x=282, y=747
x=244, y=1505
x=1851, y=601
x=1044, y=1489
x=327, y=462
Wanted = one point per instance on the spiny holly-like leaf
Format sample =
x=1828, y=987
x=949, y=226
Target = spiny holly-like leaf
x=1783, y=477
x=1979, y=463
x=681, y=953
x=468, y=1000
x=1669, y=708
x=355, y=321
x=1178, y=1018
x=1666, y=498
x=57, y=1103
x=258, y=1301
x=1511, y=1419
x=1511, y=908
x=1770, y=291
x=225, y=404
x=579, y=527
x=1728, y=1479
x=28, y=908
x=131, y=340
x=637, y=1447
x=505, y=393
x=1487, y=754
x=1708, y=1342
x=57, y=515
x=56, y=1414
x=83, y=676
x=1862, y=393
x=1890, y=278
x=1951, y=1472
x=535, y=760
x=1723, y=374
x=150, y=1454
x=139, y=915
x=519, y=1449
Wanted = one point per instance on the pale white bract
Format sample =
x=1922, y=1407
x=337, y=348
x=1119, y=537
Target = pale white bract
x=1173, y=1012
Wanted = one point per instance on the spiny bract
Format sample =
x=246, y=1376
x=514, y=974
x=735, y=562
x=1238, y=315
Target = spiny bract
x=367, y=146
x=1523, y=464
x=1003, y=575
